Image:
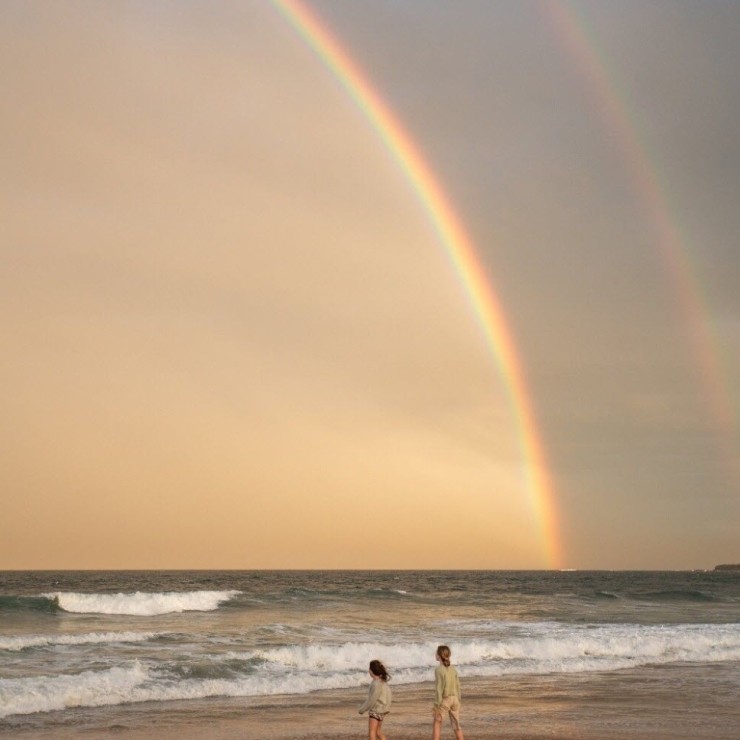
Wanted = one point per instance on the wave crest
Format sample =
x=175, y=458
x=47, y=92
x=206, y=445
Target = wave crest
x=299, y=669
x=24, y=642
x=140, y=603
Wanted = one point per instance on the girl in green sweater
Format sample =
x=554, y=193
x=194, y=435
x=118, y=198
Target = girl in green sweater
x=447, y=694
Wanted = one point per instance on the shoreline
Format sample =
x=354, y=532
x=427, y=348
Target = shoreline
x=551, y=707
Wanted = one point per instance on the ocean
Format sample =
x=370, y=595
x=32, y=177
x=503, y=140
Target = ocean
x=540, y=654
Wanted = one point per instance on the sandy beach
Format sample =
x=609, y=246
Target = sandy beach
x=546, y=708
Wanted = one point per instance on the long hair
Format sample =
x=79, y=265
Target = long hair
x=378, y=669
x=444, y=654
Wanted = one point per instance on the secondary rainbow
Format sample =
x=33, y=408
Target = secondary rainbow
x=461, y=252
x=613, y=106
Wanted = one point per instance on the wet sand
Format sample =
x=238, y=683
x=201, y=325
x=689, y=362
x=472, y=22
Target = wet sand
x=658, y=705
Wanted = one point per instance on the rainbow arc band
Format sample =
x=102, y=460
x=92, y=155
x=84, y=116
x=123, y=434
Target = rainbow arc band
x=570, y=26
x=461, y=252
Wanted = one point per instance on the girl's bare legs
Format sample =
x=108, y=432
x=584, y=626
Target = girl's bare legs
x=437, y=730
x=437, y=727
x=375, y=729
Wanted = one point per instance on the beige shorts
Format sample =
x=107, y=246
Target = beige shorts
x=450, y=706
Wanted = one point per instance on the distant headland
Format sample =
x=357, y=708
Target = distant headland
x=735, y=566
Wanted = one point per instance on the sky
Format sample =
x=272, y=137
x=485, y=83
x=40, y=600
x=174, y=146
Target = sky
x=234, y=337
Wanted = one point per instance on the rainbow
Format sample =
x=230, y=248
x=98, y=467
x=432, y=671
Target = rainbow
x=613, y=107
x=461, y=252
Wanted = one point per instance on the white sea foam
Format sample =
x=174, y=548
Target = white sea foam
x=89, y=638
x=533, y=648
x=295, y=669
x=137, y=683
x=141, y=603
x=88, y=689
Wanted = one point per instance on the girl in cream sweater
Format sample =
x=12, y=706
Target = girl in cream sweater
x=378, y=702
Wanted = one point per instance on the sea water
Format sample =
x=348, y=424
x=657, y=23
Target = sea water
x=71, y=640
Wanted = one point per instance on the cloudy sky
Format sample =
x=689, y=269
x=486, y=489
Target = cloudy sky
x=232, y=337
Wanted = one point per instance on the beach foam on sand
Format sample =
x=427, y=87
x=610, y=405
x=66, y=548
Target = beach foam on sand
x=556, y=707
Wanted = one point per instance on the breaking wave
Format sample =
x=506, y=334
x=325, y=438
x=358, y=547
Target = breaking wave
x=542, y=648
x=140, y=603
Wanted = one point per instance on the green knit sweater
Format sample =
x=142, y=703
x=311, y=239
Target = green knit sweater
x=447, y=682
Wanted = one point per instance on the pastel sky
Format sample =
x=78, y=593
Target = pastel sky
x=232, y=336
